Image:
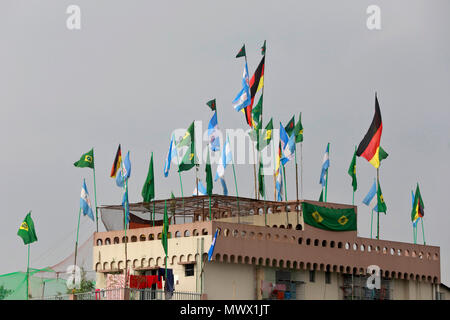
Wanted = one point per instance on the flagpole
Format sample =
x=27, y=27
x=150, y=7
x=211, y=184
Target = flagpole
x=76, y=244
x=378, y=211
x=301, y=169
x=28, y=271
x=284, y=178
x=414, y=233
x=95, y=196
x=371, y=222
x=326, y=181
x=423, y=232
x=235, y=183
x=181, y=183
x=296, y=184
x=274, y=171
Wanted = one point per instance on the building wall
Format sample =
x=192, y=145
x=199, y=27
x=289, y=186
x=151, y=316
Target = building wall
x=319, y=290
x=273, y=219
x=229, y=281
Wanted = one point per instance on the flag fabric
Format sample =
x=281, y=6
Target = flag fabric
x=85, y=202
x=261, y=187
x=256, y=83
x=284, y=137
x=165, y=229
x=381, y=205
x=148, y=190
x=213, y=244
x=325, y=165
x=189, y=159
x=289, y=150
x=213, y=133
x=224, y=186
x=352, y=172
x=117, y=163
x=26, y=230
x=126, y=207
x=212, y=104
x=418, y=206
x=263, y=48
x=256, y=114
x=209, y=179
x=290, y=126
x=298, y=130
x=242, y=99
x=201, y=189
x=241, y=52
x=86, y=160
x=371, y=194
x=278, y=175
x=265, y=137
x=321, y=196
x=369, y=147
x=225, y=159
x=170, y=154
x=382, y=154
x=329, y=219
x=125, y=171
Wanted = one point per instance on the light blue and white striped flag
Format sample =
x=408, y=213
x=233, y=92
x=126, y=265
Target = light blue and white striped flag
x=243, y=99
x=325, y=165
x=225, y=159
x=213, y=133
x=172, y=153
x=85, y=202
x=201, y=189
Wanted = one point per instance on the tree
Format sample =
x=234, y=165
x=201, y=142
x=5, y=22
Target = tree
x=85, y=285
x=4, y=292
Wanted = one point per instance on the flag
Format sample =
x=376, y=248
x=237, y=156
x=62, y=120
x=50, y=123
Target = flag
x=278, y=175
x=284, y=137
x=382, y=154
x=189, y=159
x=261, y=186
x=241, y=52
x=125, y=172
x=85, y=202
x=418, y=206
x=321, y=196
x=371, y=194
x=212, y=104
x=200, y=188
x=369, y=147
x=290, y=126
x=26, y=230
x=265, y=137
x=165, y=229
x=263, y=48
x=213, y=244
x=329, y=219
x=224, y=186
x=213, y=133
x=86, y=160
x=256, y=83
x=352, y=172
x=117, y=163
x=172, y=153
x=209, y=180
x=148, y=190
x=256, y=114
x=381, y=205
x=289, y=150
x=126, y=206
x=298, y=130
x=325, y=165
x=225, y=159
x=242, y=99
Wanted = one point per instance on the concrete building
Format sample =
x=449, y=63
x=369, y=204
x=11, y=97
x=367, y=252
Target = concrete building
x=263, y=251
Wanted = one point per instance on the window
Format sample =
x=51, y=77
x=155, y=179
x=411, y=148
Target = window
x=327, y=277
x=189, y=270
x=312, y=275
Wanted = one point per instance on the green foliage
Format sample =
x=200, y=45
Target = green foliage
x=4, y=292
x=85, y=285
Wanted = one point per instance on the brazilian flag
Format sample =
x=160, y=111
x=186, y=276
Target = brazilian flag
x=266, y=136
x=165, y=229
x=86, y=160
x=298, y=130
x=26, y=230
x=329, y=219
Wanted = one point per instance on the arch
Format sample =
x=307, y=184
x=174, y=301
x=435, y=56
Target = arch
x=339, y=245
x=187, y=233
x=120, y=265
x=369, y=248
x=281, y=263
x=151, y=236
x=239, y=259
x=260, y=261
x=321, y=267
x=324, y=243
x=99, y=242
x=133, y=239
x=355, y=246
x=300, y=239
x=315, y=266
x=316, y=242
x=363, y=248
x=253, y=261
x=268, y=236
x=392, y=251
x=177, y=234
x=308, y=241
x=347, y=245
x=302, y=265
x=332, y=244
x=189, y=258
x=182, y=258
x=347, y=269
x=195, y=232
x=113, y=265
x=204, y=231
x=225, y=258
x=295, y=265
x=335, y=268
x=159, y=261
x=267, y=262
x=116, y=240
x=125, y=239
x=98, y=266
x=232, y=258
x=105, y=265
x=143, y=262
x=107, y=241
x=274, y=262
x=135, y=263
x=298, y=227
x=217, y=258
x=142, y=237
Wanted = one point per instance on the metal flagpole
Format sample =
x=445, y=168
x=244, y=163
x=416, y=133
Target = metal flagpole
x=326, y=181
x=274, y=172
x=296, y=184
x=378, y=212
x=235, y=183
x=285, y=188
x=181, y=184
x=423, y=232
x=76, y=244
x=371, y=222
x=28, y=271
x=95, y=194
x=301, y=169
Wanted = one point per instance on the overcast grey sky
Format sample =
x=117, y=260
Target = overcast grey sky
x=139, y=69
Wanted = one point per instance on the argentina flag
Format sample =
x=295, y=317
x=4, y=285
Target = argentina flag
x=213, y=133
x=201, y=189
x=243, y=99
x=371, y=195
x=170, y=154
x=325, y=165
x=85, y=203
x=225, y=159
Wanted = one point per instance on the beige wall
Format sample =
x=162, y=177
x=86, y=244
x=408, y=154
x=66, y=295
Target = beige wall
x=272, y=219
x=412, y=290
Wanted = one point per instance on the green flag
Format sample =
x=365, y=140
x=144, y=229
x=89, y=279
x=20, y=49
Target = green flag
x=382, y=154
x=290, y=126
x=212, y=104
x=381, y=205
x=352, y=171
x=209, y=179
x=86, y=160
x=261, y=186
x=173, y=204
x=241, y=52
x=188, y=161
x=148, y=190
x=263, y=48
x=321, y=196
x=266, y=136
x=329, y=219
x=26, y=230
x=299, y=130
x=418, y=206
x=256, y=115
x=165, y=229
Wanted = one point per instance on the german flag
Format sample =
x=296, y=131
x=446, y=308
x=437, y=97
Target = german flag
x=117, y=163
x=369, y=147
x=417, y=211
x=256, y=83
